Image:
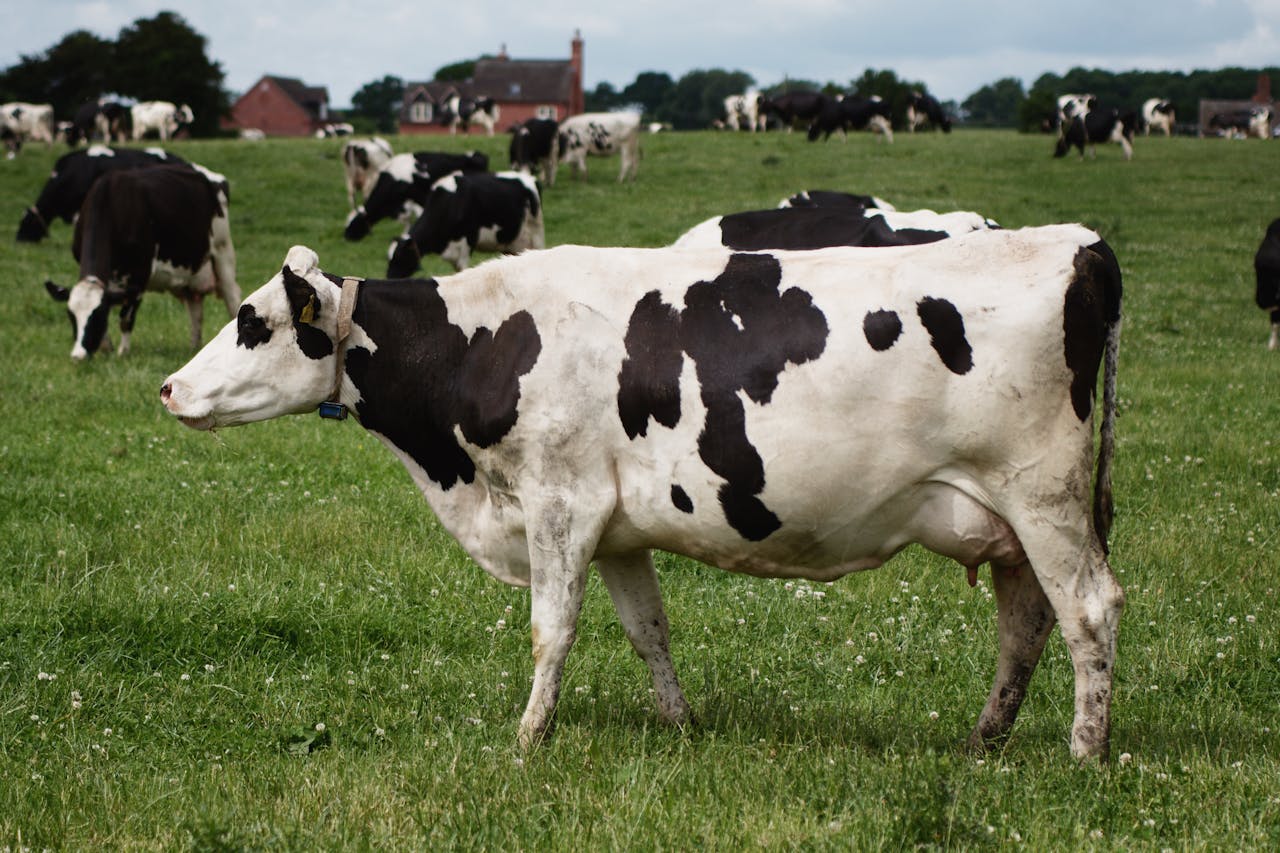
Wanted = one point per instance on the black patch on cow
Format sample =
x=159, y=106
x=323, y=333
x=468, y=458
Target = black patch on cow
x=649, y=382
x=946, y=332
x=741, y=333
x=251, y=329
x=1085, y=313
x=313, y=342
x=424, y=377
x=1266, y=269
x=882, y=329
x=680, y=499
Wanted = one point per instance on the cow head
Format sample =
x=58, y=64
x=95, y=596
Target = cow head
x=32, y=228
x=276, y=357
x=358, y=226
x=89, y=306
x=403, y=257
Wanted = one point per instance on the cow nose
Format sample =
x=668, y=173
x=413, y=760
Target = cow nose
x=166, y=391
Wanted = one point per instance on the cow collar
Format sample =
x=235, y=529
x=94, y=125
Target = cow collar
x=332, y=408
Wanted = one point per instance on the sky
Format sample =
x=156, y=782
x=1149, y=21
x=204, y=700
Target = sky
x=953, y=47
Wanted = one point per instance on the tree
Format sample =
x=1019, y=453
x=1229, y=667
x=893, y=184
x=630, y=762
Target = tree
x=697, y=99
x=887, y=85
x=996, y=104
x=380, y=101
x=163, y=59
x=648, y=89
x=457, y=71
x=601, y=99
x=73, y=71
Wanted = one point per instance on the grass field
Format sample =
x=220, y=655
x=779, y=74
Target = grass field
x=180, y=613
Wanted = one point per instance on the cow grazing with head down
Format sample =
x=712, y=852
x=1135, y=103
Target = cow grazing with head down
x=1097, y=124
x=1158, y=114
x=601, y=135
x=803, y=228
x=161, y=229
x=793, y=107
x=923, y=109
x=401, y=187
x=1255, y=121
x=163, y=118
x=534, y=148
x=492, y=213
x=583, y=404
x=27, y=123
x=361, y=161
x=833, y=198
x=74, y=175
x=852, y=113
x=1266, y=267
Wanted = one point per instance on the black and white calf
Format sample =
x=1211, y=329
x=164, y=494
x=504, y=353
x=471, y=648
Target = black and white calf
x=1158, y=114
x=534, y=148
x=800, y=415
x=853, y=113
x=1097, y=124
x=162, y=118
x=162, y=229
x=401, y=187
x=804, y=228
x=362, y=159
x=833, y=198
x=1266, y=266
x=492, y=213
x=74, y=175
x=601, y=135
x=923, y=109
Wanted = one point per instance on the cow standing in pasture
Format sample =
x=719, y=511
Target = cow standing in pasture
x=74, y=175
x=491, y=213
x=1094, y=125
x=923, y=109
x=1158, y=114
x=1266, y=267
x=104, y=119
x=460, y=111
x=794, y=107
x=802, y=228
x=402, y=185
x=163, y=118
x=361, y=161
x=1255, y=121
x=162, y=229
x=852, y=113
x=745, y=111
x=800, y=415
x=833, y=198
x=26, y=123
x=601, y=135
x=535, y=148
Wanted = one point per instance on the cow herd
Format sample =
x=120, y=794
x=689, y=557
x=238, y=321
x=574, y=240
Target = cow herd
x=105, y=120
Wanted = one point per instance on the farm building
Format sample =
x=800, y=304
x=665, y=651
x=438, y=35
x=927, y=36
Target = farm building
x=522, y=88
x=281, y=106
x=1261, y=98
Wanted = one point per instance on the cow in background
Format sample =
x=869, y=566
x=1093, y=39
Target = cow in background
x=332, y=131
x=924, y=109
x=601, y=135
x=1241, y=124
x=794, y=107
x=459, y=110
x=27, y=123
x=1097, y=124
x=163, y=229
x=1158, y=114
x=533, y=149
x=361, y=161
x=832, y=198
x=1266, y=266
x=160, y=117
x=402, y=185
x=852, y=112
x=745, y=111
x=104, y=119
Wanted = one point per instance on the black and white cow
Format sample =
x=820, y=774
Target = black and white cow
x=802, y=414
x=793, y=107
x=1070, y=106
x=362, y=159
x=402, y=185
x=103, y=119
x=852, y=112
x=162, y=229
x=833, y=198
x=805, y=228
x=1266, y=266
x=745, y=111
x=492, y=213
x=73, y=176
x=1097, y=124
x=331, y=131
x=160, y=117
x=459, y=111
x=601, y=135
x=534, y=148
x=1255, y=121
x=924, y=109
x=27, y=123
x=1158, y=114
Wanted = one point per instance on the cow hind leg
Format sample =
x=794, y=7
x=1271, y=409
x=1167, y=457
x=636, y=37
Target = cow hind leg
x=195, y=313
x=633, y=587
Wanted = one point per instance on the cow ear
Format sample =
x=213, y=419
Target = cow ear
x=301, y=260
x=57, y=291
x=303, y=304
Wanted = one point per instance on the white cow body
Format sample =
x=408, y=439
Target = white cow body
x=27, y=122
x=861, y=442
x=601, y=134
x=743, y=111
x=1158, y=114
x=163, y=117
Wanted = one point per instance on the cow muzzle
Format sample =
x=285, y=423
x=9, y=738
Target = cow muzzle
x=174, y=405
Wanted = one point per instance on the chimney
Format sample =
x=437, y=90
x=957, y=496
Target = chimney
x=577, y=102
x=502, y=52
x=1263, y=94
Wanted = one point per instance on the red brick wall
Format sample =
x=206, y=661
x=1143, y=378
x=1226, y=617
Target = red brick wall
x=270, y=110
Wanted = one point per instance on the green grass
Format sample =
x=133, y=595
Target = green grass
x=210, y=600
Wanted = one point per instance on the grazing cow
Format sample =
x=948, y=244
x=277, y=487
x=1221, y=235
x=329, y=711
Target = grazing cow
x=458, y=110
x=1255, y=121
x=533, y=148
x=791, y=107
x=832, y=198
x=1070, y=106
x=601, y=135
x=27, y=122
x=1158, y=114
x=163, y=229
x=744, y=111
x=492, y=213
x=852, y=113
x=800, y=414
x=1097, y=124
x=330, y=131
x=361, y=162
x=803, y=228
x=402, y=185
x=1266, y=266
x=161, y=117
x=73, y=176
x=923, y=109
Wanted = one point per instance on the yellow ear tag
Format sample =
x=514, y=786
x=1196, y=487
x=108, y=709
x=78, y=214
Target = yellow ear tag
x=308, y=311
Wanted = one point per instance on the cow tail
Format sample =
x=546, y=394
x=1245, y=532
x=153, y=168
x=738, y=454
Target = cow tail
x=1103, y=502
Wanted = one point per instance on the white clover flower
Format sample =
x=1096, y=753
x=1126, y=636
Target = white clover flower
x=320, y=727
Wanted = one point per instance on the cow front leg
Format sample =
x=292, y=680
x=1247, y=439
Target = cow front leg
x=633, y=586
x=128, y=315
x=1275, y=331
x=1025, y=619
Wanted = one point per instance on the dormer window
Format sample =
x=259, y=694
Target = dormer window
x=515, y=88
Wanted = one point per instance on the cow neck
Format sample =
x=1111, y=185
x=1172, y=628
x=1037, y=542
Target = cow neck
x=332, y=408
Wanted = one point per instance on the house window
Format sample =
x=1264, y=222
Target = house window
x=515, y=89
x=420, y=112
x=546, y=111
